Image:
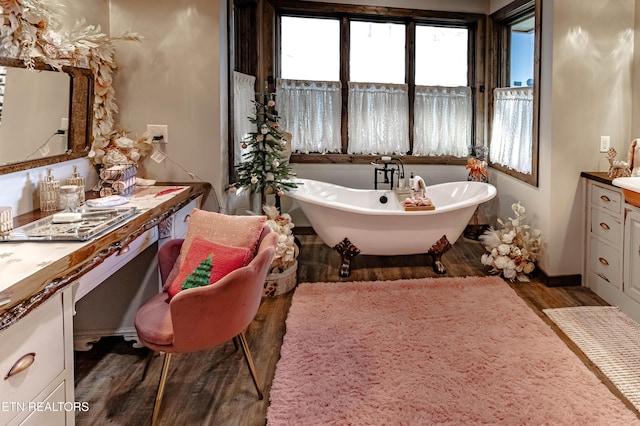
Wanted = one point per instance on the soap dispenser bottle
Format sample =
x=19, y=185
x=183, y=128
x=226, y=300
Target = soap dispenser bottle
x=411, y=181
x=77, y=180
x=49, y=193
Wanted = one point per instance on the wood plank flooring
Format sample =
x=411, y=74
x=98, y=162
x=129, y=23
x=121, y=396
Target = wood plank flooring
x=214, y=387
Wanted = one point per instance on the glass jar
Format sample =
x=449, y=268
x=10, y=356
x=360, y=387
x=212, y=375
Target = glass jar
x=69, y=197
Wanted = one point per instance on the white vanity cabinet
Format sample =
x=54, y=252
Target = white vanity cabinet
x=175, y=226
x=632, y=253
x=612, y=234
x=605, y=232
x=36, y=362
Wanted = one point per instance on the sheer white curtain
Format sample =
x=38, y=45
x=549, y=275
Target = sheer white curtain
x=378, y=118
x=311, y=112
x=442, y=121
x=244, y=93
x=511, y=130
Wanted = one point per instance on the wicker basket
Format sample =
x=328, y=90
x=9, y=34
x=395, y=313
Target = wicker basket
x=281, y=283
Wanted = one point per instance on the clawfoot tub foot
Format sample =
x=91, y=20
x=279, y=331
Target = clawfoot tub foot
x=347, y=252
x=436, y=251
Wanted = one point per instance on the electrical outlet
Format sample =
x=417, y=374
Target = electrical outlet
x=605, y=143
x=158, y=132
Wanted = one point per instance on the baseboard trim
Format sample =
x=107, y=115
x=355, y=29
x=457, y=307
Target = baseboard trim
x=304, y=230
x=559, y=280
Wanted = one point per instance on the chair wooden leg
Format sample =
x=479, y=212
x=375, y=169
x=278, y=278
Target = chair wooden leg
x=249, y=360
x=160, y=393
x=147, y=364
x=235, y=343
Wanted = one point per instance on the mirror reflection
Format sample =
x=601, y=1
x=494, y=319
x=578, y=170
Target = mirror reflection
x=34, y=114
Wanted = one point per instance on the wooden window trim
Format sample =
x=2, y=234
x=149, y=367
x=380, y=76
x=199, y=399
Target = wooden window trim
x=476, y=23
x=499, y=48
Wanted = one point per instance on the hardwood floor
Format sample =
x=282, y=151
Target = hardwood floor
x=214, y=387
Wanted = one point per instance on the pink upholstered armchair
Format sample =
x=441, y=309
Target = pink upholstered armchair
x=204, y=317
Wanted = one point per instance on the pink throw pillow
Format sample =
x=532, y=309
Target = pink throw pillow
x=229, y=230
x=225, y=260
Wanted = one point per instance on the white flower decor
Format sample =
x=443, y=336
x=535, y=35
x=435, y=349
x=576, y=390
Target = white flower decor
x=32, y=30
x=286, y=250
x=512, y=250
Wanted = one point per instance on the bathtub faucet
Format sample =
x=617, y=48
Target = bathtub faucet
x=387, y=167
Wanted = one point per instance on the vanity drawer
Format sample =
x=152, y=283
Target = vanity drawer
x=181, y=219
x=606, y=226
x=115, y=262
x=607, y=198
x=41, y=333
x=48, y=412
x=606, y=262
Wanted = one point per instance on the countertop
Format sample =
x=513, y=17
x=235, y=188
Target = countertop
x=35, y=271
x=602, y=177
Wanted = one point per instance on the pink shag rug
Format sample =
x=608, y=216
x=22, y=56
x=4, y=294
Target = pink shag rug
x=430, y=351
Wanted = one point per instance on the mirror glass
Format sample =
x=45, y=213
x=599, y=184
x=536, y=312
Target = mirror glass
x=34, y=106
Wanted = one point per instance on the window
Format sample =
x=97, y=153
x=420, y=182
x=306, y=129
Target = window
x=377, y=52
x=513, y=132
x=404, y=82
x=446, y=47
x=443, y=101
x=305, y=56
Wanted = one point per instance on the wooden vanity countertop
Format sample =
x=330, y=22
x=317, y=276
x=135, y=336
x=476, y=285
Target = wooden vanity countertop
x=602, y=177
x=18, y=296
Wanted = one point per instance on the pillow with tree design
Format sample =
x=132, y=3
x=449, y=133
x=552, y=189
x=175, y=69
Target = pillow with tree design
x=224, y=260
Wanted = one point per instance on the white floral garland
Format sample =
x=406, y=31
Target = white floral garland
x=32, y=29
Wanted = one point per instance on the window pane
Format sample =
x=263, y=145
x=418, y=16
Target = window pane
x=310, y=49
x=377, y=52
x=441, y=56
x=522, y=48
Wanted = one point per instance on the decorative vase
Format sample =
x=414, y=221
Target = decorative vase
x=255, y=202
x=283, y=282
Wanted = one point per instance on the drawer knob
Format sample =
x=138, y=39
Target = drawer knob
x=22, y=364
x=605, y=198
x=603, y=261
x=186, y=218
x=123, y=250
x=604, y=277
x=604, y=226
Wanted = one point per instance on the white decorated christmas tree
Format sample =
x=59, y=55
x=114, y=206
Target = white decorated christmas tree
x=264, y=168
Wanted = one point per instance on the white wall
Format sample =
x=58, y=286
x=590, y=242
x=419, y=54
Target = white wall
x=175, y=77
x=587, y=52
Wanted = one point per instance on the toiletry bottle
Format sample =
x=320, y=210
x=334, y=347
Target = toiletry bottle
x=49, y=191
x=411, y=181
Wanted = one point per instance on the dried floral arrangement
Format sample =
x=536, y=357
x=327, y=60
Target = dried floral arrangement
x=512, y=250
x=32, y=30
x=286, y=250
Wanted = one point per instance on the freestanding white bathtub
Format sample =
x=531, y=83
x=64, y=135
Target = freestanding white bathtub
x=373, y=222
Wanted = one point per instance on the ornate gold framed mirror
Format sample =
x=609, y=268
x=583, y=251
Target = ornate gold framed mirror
x=44, y=102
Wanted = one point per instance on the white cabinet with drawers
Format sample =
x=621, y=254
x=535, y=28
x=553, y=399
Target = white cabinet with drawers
x=36, y=362
x=612, y=258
